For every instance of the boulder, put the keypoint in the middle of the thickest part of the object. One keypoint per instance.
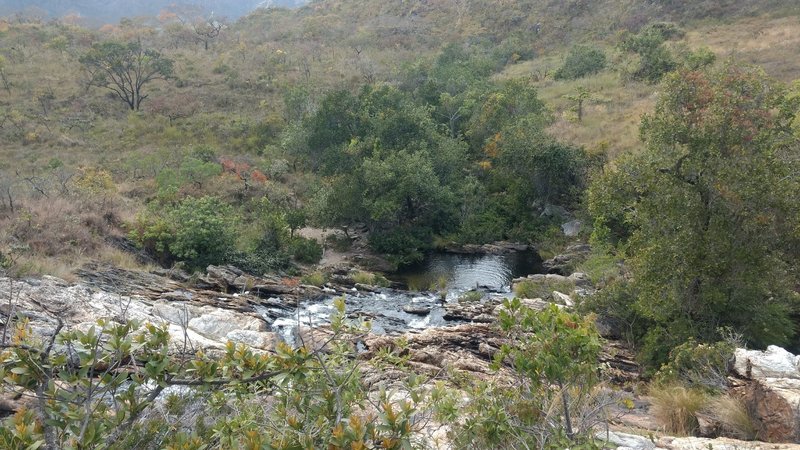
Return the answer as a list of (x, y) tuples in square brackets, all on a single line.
[(614, 439), (771, 390), (256, 339), (417, 310), (564, 263), (775, 362), (216, 323), (563, 299), (571, 228)]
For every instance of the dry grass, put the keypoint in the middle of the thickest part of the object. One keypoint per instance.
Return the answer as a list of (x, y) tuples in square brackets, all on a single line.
[(734, 418), (675, 408), (771, 43), (57, 234)]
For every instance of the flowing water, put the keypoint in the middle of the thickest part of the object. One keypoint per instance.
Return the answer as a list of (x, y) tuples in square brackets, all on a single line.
[(440, 278)]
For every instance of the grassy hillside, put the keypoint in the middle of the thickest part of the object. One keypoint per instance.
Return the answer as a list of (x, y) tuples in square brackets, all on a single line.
[(242, 97)]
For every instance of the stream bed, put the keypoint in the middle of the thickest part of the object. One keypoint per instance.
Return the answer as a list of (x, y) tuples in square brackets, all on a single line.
[(440, 279)]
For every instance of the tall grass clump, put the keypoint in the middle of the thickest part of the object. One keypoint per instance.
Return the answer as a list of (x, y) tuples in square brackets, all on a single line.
[(675, 407)]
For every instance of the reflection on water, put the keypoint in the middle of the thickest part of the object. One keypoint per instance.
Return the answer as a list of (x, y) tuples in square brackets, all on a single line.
[(457, 273)]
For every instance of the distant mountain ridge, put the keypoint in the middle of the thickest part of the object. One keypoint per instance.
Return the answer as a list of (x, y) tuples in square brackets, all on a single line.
[(113, 10)]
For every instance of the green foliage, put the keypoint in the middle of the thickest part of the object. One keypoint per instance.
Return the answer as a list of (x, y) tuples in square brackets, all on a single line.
[(554, 354), (124, 69), (471, 297), (698, 211), (200, 231), (703, 366), (581, 61), (90, 395), (307, 251), (541, 288), (655, 59), (316, 278), (371, 279), (205, 230)]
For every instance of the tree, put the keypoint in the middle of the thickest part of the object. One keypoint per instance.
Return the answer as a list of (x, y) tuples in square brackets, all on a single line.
[(580, 96), (581, 61), (208, 29), (710, 219), (125, 69)]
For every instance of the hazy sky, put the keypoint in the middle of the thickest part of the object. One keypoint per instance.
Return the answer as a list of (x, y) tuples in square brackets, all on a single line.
[(113, 10)]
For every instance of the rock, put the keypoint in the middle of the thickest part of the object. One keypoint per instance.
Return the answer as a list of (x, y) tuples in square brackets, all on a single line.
[(469, 311), (699, 443), (571, 228), (417, 310), (496, 248), (563, 299), (771, 390), (580, 279), (564, 263), (553, 211), (613, 439), (775, 362), (256, 339), (222, 277), (217, 323)]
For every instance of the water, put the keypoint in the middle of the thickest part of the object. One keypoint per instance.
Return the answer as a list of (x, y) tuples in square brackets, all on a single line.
[(457, 273), (442, 278)]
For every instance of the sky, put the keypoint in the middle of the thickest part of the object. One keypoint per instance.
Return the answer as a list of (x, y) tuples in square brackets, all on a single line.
[(113, 10)]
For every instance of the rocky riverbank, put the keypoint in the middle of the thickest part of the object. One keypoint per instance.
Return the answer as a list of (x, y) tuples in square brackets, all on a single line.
[(204, 313)]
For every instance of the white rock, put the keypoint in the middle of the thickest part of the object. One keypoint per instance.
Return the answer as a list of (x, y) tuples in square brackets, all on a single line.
[(175, 313), (565, 299), (216, 323), (775, 362), (618, 440), (571, 228), (256, 339)]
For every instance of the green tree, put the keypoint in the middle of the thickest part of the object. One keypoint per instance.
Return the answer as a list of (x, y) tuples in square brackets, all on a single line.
[(581, 61), (125, 69), (552, 404), (710, 206)]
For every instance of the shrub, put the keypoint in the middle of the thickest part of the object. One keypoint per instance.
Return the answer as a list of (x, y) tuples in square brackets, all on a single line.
[(703, 366), (541, 288), (306, 251), (369, 278), (204, 231), (471, 297), (316, 278), (581, 61), (675, 407), (554, 353), (258, 262), (199, 231)]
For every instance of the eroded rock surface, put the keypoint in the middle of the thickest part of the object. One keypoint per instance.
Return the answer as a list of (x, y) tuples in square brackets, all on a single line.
[(769, 382)]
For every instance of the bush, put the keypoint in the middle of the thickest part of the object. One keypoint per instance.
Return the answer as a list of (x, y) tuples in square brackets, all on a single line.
[(307, 251), (258, 262), (314, 278), (553, 405), (199, 231), (702, 366), (204, 231), (401, 246), (471, 297), (541, 289), (371, 279), (675, 407), (580, 62)]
